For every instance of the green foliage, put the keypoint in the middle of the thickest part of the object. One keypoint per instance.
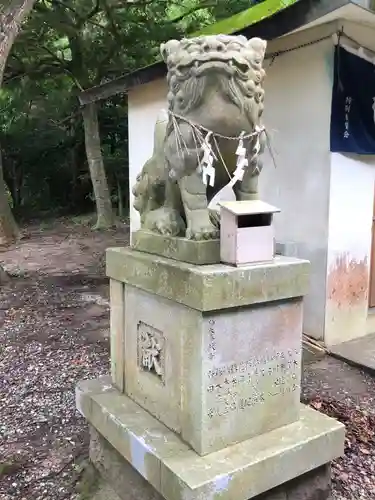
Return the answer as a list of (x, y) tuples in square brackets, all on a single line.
[(67, 46), (35, 147)]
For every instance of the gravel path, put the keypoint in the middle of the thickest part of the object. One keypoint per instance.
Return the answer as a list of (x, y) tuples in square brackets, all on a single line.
[(54, 330), (43, 438), (348, 394)]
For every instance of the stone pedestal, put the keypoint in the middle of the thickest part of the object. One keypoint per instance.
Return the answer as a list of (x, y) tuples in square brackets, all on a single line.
[(213, 352), (206, 367)]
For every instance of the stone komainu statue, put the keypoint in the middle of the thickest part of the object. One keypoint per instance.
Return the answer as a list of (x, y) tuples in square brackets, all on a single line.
[(215, 84)]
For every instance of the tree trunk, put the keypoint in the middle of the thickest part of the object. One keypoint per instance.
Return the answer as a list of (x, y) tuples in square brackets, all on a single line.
[(105, 216), (120, 205), (8, 228), (12, 14)]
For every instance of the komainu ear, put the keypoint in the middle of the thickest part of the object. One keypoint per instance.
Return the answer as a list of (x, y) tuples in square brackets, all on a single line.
[(258, 45), (167, 48)]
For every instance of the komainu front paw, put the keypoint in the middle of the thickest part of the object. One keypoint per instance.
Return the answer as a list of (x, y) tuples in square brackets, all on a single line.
[(165, 221), (203, 230)]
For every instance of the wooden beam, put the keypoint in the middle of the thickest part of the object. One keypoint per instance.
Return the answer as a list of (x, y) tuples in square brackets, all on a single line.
[(123, 84)]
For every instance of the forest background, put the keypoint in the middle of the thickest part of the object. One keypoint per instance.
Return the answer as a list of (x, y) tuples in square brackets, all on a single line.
[(53, 150)]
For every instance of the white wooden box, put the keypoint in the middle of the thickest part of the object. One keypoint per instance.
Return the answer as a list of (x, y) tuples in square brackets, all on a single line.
[(246, 232)]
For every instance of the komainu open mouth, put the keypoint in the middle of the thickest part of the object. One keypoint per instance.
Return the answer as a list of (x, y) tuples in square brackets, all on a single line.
[(199, 67)]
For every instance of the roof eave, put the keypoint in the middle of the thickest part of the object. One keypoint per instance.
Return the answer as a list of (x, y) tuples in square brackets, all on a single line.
[(275, 26)]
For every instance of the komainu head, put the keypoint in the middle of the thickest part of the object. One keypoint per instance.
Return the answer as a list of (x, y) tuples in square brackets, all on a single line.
[(234, 62), (233, 55)]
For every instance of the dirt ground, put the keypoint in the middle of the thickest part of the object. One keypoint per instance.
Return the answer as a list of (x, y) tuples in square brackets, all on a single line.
[(347, 394), (54, 331)]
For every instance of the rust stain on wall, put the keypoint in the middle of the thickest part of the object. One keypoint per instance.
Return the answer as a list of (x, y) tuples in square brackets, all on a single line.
[(348, 281)]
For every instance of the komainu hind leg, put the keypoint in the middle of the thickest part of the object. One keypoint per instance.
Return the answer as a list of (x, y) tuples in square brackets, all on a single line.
[(165, 221), (168, 219)]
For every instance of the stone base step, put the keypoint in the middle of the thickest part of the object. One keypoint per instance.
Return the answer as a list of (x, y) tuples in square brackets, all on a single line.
[(168, 468)]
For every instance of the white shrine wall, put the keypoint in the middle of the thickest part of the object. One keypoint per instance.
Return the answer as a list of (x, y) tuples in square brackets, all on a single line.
[(349, 247), (350, 227), (297, 116), (144, 105)]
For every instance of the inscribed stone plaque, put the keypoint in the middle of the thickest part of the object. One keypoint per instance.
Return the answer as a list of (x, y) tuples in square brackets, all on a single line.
[(151, 350), (252, 370), (251, 374)]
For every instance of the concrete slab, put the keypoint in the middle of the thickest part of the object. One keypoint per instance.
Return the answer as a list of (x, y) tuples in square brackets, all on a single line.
[(241, 471), (105, 492), (122, 480), (360, 352)]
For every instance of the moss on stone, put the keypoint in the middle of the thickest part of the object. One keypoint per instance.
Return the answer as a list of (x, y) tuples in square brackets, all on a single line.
[(246, 18), (211, 287), (181, 249)]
